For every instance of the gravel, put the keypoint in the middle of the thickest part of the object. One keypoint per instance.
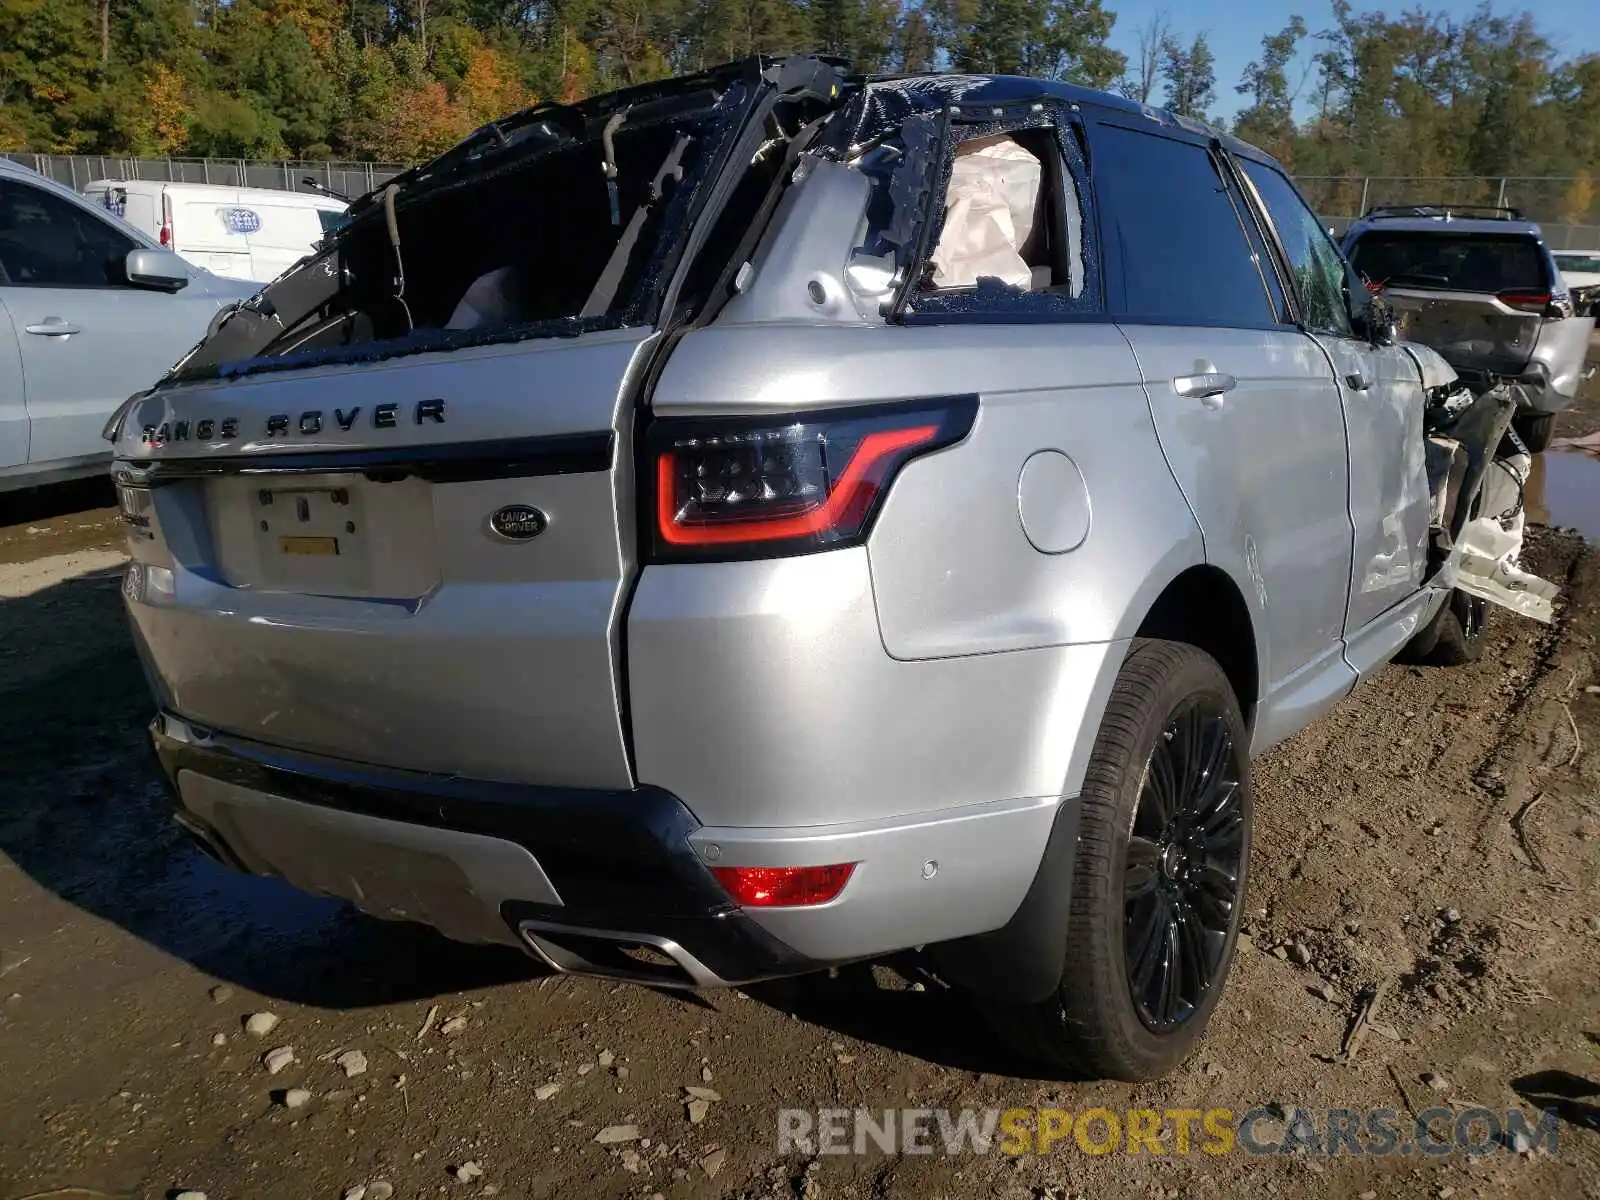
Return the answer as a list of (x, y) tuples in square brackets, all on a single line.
[(352, 1063), (260, 1024)]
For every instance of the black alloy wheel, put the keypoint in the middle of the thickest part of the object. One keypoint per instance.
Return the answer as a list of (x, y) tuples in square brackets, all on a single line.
[(1182, 881)]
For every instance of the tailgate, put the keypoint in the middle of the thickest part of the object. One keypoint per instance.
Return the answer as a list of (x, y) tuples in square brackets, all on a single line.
[(1473, 332), (417, 563)]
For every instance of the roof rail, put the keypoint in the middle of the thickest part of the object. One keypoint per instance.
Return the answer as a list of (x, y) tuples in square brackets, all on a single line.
[(1493, 212)]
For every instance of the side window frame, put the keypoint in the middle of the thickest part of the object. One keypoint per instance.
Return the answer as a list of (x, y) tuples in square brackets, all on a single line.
[(1279, 252), (83, 211), (1275, 314), (1067, 167)]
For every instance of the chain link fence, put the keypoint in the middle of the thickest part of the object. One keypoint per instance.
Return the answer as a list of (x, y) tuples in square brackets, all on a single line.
[(1550, 201), (350, 179)]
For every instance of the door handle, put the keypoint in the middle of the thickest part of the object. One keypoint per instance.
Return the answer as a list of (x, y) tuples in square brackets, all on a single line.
[(53, 327), (1208, 387), (1357, 382)]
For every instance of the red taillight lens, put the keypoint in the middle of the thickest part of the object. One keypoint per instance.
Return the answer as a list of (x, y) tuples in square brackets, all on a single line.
[(166, 235), (784, 887), (1525, 301), (729, 488)]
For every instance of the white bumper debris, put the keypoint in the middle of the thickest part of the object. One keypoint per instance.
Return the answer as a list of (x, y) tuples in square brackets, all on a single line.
[(1486, 568)]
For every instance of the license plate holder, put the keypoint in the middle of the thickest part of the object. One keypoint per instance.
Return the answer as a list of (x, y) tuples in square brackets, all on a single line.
[(309, 534)]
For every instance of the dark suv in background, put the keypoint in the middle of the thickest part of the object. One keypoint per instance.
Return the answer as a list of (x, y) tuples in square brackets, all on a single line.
[(1480, 286)]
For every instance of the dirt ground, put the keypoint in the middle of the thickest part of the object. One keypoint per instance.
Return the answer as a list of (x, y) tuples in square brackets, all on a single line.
[(1436, 834)]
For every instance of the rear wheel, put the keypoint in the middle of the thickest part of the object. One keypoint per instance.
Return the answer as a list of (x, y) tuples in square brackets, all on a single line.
[(1535, 430), (1158, 882)]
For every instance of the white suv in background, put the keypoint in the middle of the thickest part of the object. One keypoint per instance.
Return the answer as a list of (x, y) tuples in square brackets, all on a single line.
[(90, 312)]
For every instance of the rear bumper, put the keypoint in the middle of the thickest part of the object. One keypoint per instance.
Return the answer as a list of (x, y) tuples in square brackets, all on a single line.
[(598, 882), (475, 860)]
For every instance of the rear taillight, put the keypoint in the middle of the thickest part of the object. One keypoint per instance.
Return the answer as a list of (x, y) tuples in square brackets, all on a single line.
[(784, 887), (166, 220), (759, 486), (1525, 301)]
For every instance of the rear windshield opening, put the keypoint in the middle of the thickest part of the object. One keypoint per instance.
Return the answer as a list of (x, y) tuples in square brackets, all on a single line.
[(1452, 261), (542, 243)]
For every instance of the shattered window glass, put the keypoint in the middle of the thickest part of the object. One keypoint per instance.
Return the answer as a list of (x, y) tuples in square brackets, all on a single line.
[(566, 220), (1008, 239)]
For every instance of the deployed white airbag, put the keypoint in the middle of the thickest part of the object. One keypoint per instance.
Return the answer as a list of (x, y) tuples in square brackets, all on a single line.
[(994, 187)]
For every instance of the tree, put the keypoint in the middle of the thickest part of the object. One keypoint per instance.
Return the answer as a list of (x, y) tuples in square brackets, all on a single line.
[(915, 46), (1052, 39), (1269, 119), (1483, 93), (1140, 83), (862, 31), (49, 63), (1190, 76)]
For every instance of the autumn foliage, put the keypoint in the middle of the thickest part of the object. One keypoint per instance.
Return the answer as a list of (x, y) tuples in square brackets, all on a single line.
[(1336, 92)]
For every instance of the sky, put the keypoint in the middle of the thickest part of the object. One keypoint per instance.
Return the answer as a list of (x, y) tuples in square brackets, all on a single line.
[(1235, 29)]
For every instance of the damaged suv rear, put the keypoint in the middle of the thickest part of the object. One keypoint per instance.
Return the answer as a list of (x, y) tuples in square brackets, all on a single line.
[(772, 518), (1480, 286)]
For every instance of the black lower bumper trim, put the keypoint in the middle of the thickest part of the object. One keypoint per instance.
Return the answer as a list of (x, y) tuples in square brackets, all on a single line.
[(620, 860)]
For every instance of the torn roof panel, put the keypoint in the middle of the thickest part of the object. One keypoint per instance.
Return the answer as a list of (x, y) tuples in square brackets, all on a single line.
[(886, 101)]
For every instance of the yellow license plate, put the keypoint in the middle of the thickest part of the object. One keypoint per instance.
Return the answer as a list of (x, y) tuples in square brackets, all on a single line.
[(309, 545)]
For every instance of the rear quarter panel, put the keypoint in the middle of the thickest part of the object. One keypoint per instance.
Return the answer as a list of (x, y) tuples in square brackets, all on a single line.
[(1007, 634)]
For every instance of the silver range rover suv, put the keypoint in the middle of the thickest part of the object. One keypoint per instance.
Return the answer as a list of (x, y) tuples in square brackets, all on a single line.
[(770, 518)]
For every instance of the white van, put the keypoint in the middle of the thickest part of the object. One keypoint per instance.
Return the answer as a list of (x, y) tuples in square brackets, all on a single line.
[(242, 233)]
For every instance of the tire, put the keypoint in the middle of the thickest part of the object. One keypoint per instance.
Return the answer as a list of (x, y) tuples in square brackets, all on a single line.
[(1453, 638), (1461, 625), (1536, 431), (1135, 875)]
